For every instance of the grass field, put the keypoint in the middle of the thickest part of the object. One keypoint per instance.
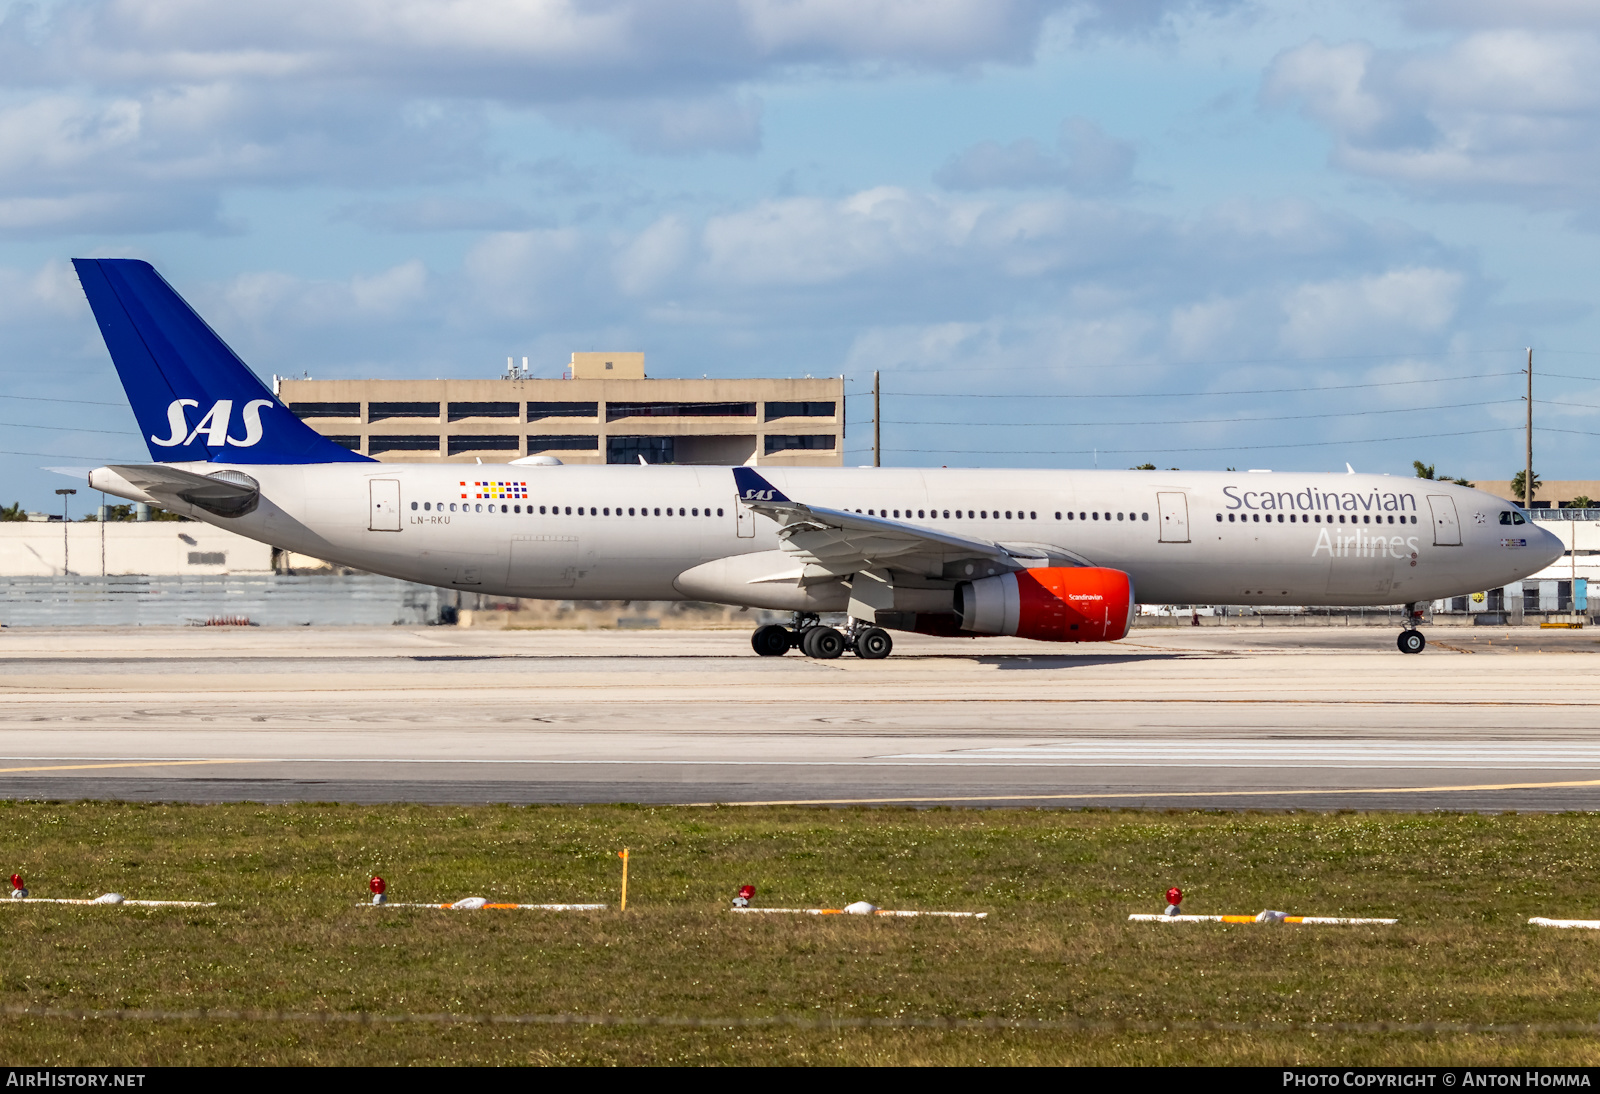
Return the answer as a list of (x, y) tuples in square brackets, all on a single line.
[(292, 934)]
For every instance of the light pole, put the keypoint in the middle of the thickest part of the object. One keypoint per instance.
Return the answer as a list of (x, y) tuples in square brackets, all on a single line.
[(66, 569)]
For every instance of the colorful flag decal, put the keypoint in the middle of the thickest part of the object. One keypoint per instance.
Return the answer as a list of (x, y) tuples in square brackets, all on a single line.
[(496, 491)]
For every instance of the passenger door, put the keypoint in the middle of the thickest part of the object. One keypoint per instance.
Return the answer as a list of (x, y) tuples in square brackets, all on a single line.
[(1446, 528), (385, 514), (746, 520), (1174, 507)]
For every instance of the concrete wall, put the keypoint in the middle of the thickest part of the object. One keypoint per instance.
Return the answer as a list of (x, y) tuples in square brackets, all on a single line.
[(31, 549), (233, 600)]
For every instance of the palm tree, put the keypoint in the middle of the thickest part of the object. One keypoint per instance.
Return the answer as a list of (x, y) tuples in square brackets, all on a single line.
[(1517, 490), (12, 512)]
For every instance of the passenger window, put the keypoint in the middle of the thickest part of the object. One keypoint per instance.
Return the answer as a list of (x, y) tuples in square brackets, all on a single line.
[(516, 508), (480, 508), (426, 506), (1119, 516), (452, 507), (1083, 516), (1280, 518), (947, 514), (681, 512), (1097, 516), (1366, 520), (413, 506), (695, 512), (1230, 518), (1256, 517), (919, 513), (719, 512), (1144, 516), (1219, 518), (1058, 516), (1008, 514), (503, 508)]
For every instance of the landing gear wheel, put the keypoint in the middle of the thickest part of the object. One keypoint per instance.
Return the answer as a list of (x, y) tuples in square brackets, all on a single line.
[(770, 640), (824, 643), (1411, 642), (873, 644)]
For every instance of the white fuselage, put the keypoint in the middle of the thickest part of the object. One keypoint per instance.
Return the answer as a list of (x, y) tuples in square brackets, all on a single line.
[(604, 532)]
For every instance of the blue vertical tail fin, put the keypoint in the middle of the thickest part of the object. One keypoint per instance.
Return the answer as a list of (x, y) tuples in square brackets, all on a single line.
[(194, 398)]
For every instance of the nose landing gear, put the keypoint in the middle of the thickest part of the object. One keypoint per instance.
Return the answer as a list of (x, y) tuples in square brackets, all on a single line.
[(1411, 640)]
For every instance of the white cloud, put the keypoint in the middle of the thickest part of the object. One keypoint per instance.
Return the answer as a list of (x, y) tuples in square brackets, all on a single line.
[(1089, 162), (1330, 316), (1507, 113)]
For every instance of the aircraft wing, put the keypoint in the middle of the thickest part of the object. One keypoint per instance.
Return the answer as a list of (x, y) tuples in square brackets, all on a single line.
[(836, 542)]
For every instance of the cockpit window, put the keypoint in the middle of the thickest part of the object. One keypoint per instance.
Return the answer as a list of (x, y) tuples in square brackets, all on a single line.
[(1513, 518)]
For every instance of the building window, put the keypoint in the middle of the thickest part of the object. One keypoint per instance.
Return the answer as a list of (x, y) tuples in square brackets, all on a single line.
[(799, 410), (563, 410), (816, 442), (679, 410), (377, 412), (566, 442), (402, 443), (470, 443), (629, 449), (458, 411), (325, 410), (346, 441), (208, 558)]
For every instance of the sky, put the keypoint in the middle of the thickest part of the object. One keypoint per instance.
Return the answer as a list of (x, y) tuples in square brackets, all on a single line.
[(1195, 233)]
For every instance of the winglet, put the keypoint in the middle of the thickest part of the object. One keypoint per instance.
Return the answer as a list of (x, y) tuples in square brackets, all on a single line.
[(752, 487)]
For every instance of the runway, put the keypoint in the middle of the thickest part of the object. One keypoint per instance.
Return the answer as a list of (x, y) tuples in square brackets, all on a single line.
[(1187, 718)]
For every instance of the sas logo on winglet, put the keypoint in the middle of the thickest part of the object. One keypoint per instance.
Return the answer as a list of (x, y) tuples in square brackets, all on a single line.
[(214, 425)]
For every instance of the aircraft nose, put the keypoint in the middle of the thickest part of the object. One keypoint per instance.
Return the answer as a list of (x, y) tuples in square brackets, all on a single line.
[(1552, 546)]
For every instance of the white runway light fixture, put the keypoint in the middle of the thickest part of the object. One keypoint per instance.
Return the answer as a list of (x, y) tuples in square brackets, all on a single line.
[(477, 903), (380, 889), (860, 907), (747, 893), (1265, 917), (1173, 915)]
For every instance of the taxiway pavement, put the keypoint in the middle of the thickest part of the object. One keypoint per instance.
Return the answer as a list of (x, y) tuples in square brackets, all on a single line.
[(1293, 717)]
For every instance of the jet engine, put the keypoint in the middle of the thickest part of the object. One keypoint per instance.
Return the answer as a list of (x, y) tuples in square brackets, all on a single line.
[(1051, 604)]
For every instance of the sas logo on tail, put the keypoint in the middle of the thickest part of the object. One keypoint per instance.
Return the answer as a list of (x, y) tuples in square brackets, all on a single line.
[(214, 426), (757, 495)]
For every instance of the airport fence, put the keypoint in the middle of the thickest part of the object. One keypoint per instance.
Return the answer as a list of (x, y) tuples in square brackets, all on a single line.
[(235, 599)]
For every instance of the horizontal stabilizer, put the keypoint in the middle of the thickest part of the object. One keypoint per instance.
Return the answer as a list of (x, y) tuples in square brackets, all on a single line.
[(225, 493)]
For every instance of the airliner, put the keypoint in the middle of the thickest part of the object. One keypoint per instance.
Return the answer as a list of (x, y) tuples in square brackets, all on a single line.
[(1055, 556)]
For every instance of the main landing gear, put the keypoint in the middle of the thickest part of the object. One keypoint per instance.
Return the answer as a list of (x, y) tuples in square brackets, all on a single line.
[(1411, 639), (811, 638)]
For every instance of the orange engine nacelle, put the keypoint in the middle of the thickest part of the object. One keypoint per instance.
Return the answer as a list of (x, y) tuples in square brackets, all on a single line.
[(1053, 604)]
